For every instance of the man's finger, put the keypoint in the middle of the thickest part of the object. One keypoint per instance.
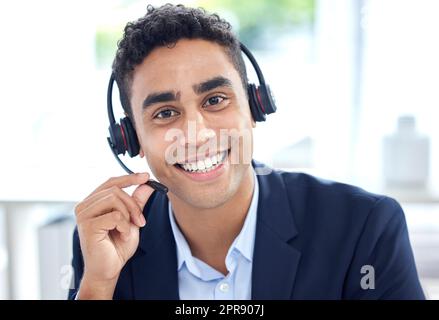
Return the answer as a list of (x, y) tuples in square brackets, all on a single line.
[(106, 204), (124, 181), (111, 221), (142, 194), (130, 203)]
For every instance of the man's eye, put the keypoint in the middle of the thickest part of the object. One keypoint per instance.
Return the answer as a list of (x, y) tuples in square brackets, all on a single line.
[(165, 114), (213, 101)]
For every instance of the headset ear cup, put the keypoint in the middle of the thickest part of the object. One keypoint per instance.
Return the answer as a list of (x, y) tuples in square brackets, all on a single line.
[(117, 139), (255, 107), (267, 99), (130, 137)]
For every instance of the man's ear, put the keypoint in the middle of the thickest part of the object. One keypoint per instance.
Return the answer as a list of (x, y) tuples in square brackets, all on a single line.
[(253, 123)]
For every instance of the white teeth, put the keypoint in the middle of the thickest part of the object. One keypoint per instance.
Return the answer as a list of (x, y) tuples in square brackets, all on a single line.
[(222, 156), (205, 165), (200, 165)]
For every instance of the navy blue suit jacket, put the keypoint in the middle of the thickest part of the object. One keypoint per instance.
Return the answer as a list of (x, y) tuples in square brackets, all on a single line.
[(312, 239)]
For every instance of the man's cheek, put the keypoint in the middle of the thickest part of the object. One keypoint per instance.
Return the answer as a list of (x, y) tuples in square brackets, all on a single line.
[(155, 156), (157, 167)]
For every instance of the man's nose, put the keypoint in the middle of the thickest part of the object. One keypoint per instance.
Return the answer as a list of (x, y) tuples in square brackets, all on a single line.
[(196, 131)]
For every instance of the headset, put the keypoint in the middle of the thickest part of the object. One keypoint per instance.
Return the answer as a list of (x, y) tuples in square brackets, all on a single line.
[(123, 136)]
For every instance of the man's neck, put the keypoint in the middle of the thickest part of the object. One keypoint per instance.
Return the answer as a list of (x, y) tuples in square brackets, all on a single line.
[(210, 232)]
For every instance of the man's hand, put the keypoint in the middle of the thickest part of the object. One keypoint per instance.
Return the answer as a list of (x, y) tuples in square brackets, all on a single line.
[(108, 226)]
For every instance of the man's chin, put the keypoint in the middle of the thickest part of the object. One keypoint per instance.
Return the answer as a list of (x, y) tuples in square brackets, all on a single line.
[(206, 194), (201, 198)]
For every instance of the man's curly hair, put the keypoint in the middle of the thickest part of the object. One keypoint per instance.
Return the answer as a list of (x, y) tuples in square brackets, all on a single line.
[(164, 26)]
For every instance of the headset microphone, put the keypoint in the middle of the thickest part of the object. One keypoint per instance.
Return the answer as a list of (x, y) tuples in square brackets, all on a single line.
[(123, 136)]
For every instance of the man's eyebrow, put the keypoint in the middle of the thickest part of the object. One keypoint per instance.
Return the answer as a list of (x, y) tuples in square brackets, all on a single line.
[(211, 84), (157, 97)]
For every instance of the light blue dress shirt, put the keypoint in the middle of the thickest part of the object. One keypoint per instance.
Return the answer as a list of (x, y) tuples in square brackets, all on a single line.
[(197, 280)]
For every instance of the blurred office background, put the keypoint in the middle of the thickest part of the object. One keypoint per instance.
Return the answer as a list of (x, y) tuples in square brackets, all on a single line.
[(356, 84)]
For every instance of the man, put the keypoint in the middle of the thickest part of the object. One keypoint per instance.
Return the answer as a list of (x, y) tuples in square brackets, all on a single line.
[(222, 231)]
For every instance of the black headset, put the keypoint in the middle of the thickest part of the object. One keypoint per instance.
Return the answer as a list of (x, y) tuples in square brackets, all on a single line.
[(123, 136)]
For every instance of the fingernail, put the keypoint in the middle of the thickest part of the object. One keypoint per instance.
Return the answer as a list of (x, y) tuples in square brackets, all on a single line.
[(142, 220), (142, 174)]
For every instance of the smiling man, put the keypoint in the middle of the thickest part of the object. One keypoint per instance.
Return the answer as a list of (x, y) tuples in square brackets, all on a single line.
[(223, 231)]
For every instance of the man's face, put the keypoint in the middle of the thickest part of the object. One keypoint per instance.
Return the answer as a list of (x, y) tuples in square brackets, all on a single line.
[(189, 106)]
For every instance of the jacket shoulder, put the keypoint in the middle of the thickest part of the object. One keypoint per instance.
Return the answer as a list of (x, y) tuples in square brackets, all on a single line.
[(313, 196), (298, 183), (314, 184)]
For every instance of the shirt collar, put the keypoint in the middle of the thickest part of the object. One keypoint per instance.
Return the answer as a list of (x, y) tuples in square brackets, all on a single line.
[(245, 240), (243, 243)]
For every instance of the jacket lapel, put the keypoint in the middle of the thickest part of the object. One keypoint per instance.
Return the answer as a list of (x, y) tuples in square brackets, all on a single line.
[(275, 262), (154, 268)]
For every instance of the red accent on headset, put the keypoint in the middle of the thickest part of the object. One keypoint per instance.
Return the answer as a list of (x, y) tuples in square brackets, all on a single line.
[(260, 100), (123, 137)]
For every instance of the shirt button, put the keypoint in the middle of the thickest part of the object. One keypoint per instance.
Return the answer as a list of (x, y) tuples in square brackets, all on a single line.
[(224, 287)]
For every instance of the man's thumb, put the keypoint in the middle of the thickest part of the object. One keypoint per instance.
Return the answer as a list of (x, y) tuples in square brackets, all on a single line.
[(142, 194)]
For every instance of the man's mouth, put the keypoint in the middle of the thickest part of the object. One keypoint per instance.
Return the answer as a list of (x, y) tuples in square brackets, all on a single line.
[(205, 165)]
